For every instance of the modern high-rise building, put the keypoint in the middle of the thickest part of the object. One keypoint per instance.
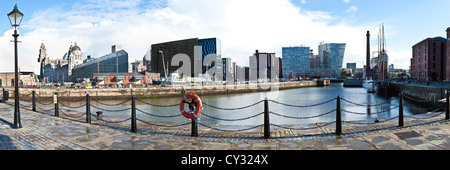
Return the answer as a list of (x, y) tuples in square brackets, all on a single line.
[(209, 48), (228, 71), (296, 61), (263, 67), (332, 55)]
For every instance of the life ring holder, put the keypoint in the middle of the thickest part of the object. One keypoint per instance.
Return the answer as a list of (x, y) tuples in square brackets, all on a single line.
[(195, 106)]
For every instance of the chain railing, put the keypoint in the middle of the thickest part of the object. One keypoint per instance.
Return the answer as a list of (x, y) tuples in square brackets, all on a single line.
[(71, 111)]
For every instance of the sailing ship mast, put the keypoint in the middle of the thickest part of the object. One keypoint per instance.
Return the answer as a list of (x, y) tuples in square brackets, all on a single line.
[(382, 53)]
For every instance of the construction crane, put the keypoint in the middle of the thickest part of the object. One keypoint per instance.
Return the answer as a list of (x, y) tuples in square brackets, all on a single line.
[(164, 65)]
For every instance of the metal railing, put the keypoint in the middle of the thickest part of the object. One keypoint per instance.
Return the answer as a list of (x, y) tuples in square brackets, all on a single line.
[(41, 104)]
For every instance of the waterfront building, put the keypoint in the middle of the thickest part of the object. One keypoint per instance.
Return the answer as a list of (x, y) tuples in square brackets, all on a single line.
[(211, 47), (263, 67), (228, 71), (151, 78), (137, 66), (116, 62), (208, 59), (234, 71), (240, 74), (447, 55), (352, 66), (27, 78), (59, 70), (428, 60), (122, 78), (332, 55), (317, 69), (296, 61)]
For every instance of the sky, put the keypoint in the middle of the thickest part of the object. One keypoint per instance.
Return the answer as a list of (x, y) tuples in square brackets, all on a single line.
[(242, 26)]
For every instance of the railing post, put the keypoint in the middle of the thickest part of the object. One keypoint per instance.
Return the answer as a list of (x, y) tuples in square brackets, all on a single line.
[(194, 128), (447, 110), (133, 115), (33, 101), (338, 116), (55, 100), (266, 119), (3, 97), (88, 109), (400, 110)]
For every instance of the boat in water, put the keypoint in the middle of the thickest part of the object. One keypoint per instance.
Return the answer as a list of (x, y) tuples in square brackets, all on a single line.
[(368, 84)]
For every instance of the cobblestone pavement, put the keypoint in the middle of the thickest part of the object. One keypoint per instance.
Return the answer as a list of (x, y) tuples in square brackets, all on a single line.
[(43, 131)]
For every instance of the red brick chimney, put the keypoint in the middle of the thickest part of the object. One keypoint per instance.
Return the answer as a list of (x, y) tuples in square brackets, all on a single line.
[(368, 71), (448, 34)]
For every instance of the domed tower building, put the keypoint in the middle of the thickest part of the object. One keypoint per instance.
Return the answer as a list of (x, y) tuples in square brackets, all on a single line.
[(75, 57)]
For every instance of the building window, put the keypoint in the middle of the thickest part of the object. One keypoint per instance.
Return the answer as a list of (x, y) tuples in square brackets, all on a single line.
[(12, 82)]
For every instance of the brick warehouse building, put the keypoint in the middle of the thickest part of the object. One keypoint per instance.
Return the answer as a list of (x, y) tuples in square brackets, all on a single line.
[(430, 60)]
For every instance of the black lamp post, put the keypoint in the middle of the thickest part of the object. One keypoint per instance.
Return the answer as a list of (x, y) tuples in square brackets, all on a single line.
[(15, 17)]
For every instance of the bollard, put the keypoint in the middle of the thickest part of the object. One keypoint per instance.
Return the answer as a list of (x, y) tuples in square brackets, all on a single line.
[(400, 110), (266, 119), (55, 100), (338, 116), (194, 128), (447, 111), (88, 109), (33, 101), (133, 115)]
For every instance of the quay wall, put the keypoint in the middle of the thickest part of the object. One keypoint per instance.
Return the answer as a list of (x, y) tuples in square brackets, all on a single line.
[(432, 94), (167, 91)]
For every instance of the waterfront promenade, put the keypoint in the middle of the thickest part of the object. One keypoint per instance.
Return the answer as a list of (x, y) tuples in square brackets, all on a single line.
[(166, 91), (43, 131)]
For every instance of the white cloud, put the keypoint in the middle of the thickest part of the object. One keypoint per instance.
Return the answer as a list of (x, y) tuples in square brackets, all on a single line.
[(352, 9), (346, 1), (243, 26)]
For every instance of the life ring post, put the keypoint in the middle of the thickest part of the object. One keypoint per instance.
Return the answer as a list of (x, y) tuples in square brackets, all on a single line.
[(195, 106), (194, 128)]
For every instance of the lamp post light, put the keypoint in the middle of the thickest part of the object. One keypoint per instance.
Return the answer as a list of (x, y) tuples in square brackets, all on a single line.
[(15, 17)]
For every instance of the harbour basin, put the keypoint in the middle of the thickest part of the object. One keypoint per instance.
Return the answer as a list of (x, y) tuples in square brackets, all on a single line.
[(295, 106)]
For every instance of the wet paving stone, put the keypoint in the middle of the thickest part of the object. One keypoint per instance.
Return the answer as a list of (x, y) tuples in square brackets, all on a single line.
[(44, 131), (390, 147), (361, 145), (290, 145), (414, 142), (407, 135), (380, 139), (164, 147)]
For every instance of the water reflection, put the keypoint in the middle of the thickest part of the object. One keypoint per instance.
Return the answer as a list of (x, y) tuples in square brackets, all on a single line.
[(302, 96)]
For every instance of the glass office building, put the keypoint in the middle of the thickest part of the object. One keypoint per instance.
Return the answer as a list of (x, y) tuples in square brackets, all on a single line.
[(296, 60), (333, 57), (211, 46), (116, 62)]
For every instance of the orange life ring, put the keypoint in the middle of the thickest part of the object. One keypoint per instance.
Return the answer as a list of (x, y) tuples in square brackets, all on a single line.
[(195, 106)]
